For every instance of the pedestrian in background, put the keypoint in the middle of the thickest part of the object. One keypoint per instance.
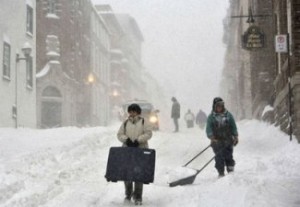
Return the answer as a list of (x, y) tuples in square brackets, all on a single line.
[(175, 113), (201, 119), (189, 117)]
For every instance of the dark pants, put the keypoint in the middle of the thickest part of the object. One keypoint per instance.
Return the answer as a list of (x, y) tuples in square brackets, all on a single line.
[(190, 124), (202, 125), (176, 124), (223, 157), (138, 190)]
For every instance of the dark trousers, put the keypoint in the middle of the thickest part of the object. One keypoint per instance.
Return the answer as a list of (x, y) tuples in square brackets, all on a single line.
[(202, 125), (190, 124), (138, 189), (176, 124), (224, 156)]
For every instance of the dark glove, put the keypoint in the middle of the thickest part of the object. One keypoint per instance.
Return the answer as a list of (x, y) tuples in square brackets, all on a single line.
[(136, 143), (213, 141), (235, 140), (128, 142)]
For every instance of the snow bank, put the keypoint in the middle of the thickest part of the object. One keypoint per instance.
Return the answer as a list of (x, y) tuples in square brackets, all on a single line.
[(66, 167)]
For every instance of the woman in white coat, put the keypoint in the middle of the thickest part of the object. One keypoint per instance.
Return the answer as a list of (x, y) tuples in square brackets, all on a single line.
[(134, 132)]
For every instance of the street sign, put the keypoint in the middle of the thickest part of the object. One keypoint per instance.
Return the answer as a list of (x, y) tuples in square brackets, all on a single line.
[(281, 43), (253, 38)]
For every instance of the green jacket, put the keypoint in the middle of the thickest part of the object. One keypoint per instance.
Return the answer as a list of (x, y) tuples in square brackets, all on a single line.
[(221, 126)]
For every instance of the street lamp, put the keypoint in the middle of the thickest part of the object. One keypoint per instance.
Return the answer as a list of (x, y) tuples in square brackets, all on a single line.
[(26, 50), (91, 78), (115, 93), (91, 81)]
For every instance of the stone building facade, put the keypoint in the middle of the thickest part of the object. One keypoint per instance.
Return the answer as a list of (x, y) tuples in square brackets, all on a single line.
[(236, 77), (63, 63), (132, 56), (101, 69), (119, 84), (74, 54), (84, 61), (286, 14), (126, 50), (273, 77), (18, 83)]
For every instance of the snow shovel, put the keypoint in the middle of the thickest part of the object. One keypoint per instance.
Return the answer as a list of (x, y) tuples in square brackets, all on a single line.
[(190, 179), (197, 155)]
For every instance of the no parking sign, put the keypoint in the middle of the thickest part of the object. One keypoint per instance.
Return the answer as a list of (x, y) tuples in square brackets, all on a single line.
[(281, 43)]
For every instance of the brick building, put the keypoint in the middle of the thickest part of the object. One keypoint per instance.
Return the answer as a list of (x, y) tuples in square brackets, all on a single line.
[(63, 62), (268, 72)]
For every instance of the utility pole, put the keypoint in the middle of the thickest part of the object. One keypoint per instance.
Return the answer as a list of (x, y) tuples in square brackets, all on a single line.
[(289, 88), (283, 46)]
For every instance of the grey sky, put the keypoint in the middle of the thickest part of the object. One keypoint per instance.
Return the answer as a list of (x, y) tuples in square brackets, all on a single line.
[(183, 46)]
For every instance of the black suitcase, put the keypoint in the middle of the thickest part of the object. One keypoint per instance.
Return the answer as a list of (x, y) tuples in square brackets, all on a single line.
[(130, 164)]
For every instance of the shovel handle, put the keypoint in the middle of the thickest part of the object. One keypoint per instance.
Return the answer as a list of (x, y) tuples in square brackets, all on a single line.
[(197, 155), (198, 171)]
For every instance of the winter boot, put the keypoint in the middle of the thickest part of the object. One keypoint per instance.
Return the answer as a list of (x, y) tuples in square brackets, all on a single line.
[(127, 198), (230, 169), (138, 202), (221, 174)]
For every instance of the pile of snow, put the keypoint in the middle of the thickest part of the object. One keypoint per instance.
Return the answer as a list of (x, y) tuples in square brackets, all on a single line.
[(66, 167)]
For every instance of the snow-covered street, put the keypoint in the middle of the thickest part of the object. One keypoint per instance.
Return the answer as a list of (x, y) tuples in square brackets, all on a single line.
[(66, 167)]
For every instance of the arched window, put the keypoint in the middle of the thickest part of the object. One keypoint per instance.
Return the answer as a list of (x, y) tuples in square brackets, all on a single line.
[(51, 91)]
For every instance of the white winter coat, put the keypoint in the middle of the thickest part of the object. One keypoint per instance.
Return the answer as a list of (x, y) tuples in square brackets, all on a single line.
[(189, 117), (135, 130)]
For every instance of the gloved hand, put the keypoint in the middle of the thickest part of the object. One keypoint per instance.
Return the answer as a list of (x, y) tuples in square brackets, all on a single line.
[(136, 143), (213, 140), (128, 142), (235, 140)]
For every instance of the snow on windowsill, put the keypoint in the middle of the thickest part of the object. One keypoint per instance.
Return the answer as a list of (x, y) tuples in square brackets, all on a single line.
[(52, 16), (56, 62), (266, 109), (52, 36), (43, 72), (29, 3), (125, 60), (6, 39), (116, 51), (53, 53)]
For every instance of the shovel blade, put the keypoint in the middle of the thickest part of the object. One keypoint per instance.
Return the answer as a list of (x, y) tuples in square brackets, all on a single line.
[(184, 181)]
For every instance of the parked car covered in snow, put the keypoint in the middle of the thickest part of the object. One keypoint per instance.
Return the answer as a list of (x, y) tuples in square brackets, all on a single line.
[(148, 112)]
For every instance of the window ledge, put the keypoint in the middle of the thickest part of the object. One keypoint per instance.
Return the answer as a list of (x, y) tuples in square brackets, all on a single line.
[(52, 16), (6, 78), (29, 87), (29, 34)]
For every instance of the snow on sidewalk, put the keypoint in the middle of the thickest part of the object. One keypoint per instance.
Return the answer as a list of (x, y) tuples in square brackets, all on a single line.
[(66, 167)]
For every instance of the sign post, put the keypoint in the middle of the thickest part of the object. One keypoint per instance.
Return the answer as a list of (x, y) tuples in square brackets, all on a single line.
[(282, 45)]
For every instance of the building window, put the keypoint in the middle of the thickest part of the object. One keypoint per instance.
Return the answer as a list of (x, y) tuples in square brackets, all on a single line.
[(52, 6), (29, 21), (14, 111), (6, 60), (29, 72)]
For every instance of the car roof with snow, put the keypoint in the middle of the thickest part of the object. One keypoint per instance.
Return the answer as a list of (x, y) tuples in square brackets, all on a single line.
[(145, 105)]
